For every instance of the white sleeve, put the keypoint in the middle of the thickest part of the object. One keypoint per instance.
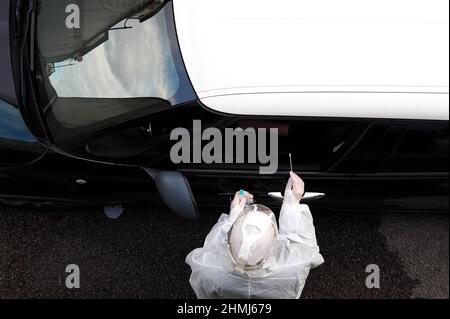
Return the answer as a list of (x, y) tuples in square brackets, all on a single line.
[(296, 224), (219, 233)]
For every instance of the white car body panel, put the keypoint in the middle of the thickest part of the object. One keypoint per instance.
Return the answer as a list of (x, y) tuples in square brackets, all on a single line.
[(321, 58)]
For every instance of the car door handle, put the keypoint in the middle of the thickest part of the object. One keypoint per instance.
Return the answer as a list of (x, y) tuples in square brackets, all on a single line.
[(306, 196)]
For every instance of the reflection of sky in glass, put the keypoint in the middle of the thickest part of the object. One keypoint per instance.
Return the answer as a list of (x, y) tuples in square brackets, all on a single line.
[(12, 126), (132, 63)]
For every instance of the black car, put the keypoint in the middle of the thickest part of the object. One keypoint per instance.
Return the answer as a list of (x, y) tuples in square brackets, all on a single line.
[(77, 125)]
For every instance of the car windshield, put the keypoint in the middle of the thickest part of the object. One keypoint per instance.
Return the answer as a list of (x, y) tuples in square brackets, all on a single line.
[(109, 58)]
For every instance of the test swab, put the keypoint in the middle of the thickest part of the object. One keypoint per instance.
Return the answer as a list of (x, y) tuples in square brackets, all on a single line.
[(290, 161)]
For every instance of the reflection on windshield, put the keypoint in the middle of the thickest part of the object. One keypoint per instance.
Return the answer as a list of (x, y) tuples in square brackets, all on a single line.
[(132, 62), (123, 63), (12, 126)]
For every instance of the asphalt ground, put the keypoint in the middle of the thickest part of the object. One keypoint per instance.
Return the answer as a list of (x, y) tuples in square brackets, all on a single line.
[(141, 254)]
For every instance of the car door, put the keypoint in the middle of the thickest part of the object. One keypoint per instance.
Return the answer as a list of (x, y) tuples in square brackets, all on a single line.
[(406, 169), (360, 165), (321, 152)]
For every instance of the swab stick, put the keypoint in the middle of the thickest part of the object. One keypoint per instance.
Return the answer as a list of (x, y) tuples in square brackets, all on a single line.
[(290, 161)]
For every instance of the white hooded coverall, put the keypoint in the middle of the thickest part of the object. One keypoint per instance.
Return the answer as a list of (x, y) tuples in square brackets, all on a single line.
[(283, 275)]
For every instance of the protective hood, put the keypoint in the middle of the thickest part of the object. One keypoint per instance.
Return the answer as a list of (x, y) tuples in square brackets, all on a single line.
[(252, 237)]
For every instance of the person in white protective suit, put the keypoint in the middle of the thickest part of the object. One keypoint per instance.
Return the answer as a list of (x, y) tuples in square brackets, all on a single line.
[(246, 256)]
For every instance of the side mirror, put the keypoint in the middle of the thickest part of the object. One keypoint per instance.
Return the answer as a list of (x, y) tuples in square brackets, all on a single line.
[(174, 189)]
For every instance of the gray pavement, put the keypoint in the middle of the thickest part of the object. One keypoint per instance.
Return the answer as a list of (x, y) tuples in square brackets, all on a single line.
[(141, 255)]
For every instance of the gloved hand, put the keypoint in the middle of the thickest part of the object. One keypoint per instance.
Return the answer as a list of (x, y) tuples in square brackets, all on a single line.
[(295, 189), (238, 204), (239, 200)]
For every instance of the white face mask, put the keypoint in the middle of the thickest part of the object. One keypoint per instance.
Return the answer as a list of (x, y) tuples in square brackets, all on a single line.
[(252, 237)]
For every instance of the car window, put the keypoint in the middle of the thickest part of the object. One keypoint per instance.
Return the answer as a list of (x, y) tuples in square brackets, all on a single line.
[(132, 59), (123, 60)]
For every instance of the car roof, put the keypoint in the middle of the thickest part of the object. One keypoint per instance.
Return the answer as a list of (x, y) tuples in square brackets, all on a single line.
[(348, 58)]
